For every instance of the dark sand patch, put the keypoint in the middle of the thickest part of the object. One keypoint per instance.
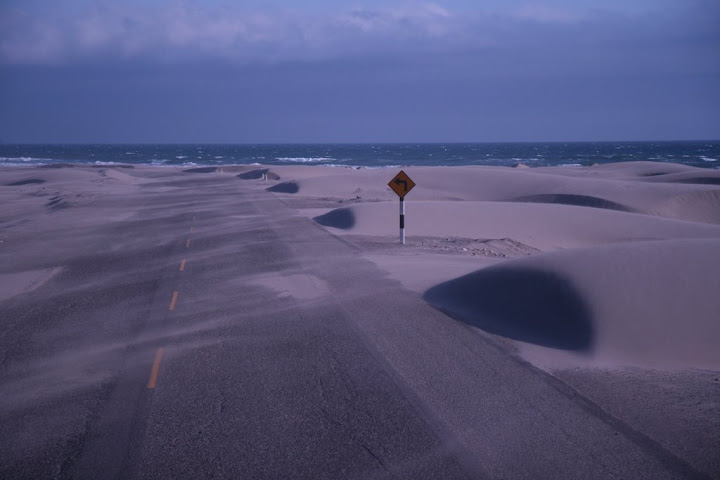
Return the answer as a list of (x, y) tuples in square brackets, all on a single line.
[(343, 218), (258, 174), (57, 202), (253, 174), (575, 200), (526, 304), (285, 187), (113, 166), (57, 165), (201, 170), (28, 181), (655, 174), (699, 180)]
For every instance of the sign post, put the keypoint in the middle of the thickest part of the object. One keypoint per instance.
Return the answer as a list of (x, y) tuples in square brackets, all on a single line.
[(401, 185)]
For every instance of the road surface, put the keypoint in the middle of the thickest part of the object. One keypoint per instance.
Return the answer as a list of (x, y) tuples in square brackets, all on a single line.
[(212, 332)]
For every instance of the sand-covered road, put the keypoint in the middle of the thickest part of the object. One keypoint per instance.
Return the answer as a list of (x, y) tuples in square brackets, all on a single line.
[(166, 324)]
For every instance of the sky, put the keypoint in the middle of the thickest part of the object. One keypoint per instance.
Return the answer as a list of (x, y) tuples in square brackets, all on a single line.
[(335, 71)]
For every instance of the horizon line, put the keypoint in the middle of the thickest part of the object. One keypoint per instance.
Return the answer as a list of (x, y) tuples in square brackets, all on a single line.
[(5, 143)]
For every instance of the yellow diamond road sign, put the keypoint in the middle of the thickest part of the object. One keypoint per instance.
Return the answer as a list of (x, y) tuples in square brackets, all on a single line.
[(401, 184)]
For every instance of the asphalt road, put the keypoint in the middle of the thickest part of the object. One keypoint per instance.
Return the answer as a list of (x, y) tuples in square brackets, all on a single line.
[(217, 334)]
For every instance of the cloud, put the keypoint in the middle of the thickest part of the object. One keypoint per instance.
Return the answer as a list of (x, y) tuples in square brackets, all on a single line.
[(547, 14), (182, 30), (179, 31)]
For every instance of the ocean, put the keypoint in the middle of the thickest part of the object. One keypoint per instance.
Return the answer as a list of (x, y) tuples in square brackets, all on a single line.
[(704, 154)]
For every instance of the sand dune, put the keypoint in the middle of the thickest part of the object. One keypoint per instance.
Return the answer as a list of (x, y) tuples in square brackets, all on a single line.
[(542, 226), (619, 262), (623, 257), (647, 304), (578, 271), (624, 187)]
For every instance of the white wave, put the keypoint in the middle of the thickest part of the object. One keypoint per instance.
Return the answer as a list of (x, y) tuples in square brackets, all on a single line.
[(100, 162), (571, 164), (708, 159), (180, 157), (15, 164), (375, 167), (23, 159), (304, 159), (218, 157)]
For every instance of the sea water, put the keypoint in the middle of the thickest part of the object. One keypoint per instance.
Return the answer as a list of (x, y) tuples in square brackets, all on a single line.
[(698, 154)]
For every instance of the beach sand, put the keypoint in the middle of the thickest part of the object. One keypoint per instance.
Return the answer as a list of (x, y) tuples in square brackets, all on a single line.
[(604, 278)]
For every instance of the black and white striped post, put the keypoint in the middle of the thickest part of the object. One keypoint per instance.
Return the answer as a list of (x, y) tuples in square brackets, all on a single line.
[(401, 185), (402, 220)]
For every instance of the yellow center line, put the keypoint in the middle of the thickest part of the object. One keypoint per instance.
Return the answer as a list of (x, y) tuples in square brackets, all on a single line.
[(155, 369), (182, 264), (174, 299), (187, 244)]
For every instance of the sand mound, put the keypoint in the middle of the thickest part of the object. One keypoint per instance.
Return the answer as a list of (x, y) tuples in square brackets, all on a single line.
[(258, 174), (285, 187), (577, 200), (28, 181), (694, 176), (698, 206), (539, 225), (646, 304), (527, 304), (620, 187), (343, 218), (57, 165), (253, 174), (701, 180)]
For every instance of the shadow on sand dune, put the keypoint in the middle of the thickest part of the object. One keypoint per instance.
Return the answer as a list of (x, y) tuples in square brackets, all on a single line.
[(576, 200), (258, 174), (699, 180), (285, 187), (526, 304), (339, 218), (29, 181)]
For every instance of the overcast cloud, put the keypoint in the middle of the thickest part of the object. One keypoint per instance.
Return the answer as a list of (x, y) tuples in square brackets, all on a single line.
[(385, 71)]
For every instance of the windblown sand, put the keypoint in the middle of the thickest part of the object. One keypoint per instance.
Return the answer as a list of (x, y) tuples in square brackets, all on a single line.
[(606, 276), (636, 245)]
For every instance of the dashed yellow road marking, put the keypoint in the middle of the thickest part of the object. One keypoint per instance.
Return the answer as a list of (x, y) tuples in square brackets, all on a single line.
[(187, 243), (173, 300), (155, 368), (182, 264)]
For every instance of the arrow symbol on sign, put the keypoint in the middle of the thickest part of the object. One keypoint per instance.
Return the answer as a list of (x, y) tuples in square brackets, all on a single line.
[(404, 182)]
